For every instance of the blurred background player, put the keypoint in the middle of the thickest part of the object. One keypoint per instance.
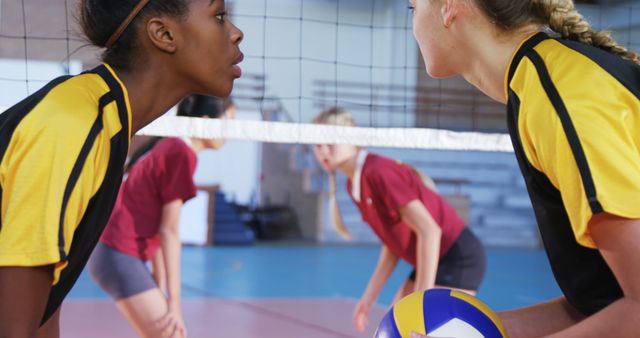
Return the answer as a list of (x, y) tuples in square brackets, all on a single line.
[(144, 226), (411, 219)]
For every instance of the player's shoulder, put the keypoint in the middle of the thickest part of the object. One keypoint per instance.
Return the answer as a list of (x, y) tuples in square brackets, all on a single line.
[(174, 144), (381, 167), (574, 64), (379, 161), (63, 110), (174, 148), (74, 100)]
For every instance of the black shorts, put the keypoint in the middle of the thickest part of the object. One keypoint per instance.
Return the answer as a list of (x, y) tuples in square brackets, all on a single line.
[(463, 266)]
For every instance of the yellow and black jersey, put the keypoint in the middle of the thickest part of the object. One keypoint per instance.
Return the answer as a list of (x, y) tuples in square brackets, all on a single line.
[(574, 119), (62, 151)]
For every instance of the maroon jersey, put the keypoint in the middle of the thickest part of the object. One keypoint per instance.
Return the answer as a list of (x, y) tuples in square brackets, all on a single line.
[(385, 186), (164, 175)]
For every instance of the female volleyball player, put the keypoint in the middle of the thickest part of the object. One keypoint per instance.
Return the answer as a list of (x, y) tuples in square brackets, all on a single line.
[(573, 98), (63, 148), (411, 219), (144, 225)]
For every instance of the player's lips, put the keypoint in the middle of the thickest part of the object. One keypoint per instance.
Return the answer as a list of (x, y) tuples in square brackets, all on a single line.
[(239, 59), (237, 71)]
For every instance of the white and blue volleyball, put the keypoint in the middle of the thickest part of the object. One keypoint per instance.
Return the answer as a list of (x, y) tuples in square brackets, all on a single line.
[(440, 313)]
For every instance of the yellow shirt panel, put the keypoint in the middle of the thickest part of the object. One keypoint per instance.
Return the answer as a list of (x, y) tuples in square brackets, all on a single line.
[(114, 125), (93, 172), (606, 120), (41, 155)]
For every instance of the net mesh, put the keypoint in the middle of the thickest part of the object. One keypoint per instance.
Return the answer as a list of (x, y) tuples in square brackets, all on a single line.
[(303, 57)]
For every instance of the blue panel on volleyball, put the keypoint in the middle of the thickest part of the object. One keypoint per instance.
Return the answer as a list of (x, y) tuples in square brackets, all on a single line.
[(436, 308), (387, 327), (440, 307), (480, 321)]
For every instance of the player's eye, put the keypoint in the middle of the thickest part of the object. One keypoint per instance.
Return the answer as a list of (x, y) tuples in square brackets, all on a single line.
[(220, 16)]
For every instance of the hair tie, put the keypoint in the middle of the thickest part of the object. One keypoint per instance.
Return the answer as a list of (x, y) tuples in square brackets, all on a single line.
[(123, 26)]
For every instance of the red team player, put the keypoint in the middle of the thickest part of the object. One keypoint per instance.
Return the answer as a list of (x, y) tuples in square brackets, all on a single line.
[(412, 220), (144, 226)]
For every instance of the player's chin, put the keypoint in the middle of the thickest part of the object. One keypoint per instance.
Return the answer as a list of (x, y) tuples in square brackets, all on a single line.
[(228, 85), (221, 88), (218, 143), (437, 70)]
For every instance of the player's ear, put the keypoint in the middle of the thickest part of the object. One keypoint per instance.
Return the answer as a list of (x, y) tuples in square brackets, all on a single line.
[(161, 33), (449, 10)]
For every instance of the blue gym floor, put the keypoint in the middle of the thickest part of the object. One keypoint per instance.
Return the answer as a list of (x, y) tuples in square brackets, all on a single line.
[(514, 278)]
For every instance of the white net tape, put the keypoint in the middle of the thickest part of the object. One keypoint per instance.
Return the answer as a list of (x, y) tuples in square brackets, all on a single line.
[(304, 133), (281, 132)]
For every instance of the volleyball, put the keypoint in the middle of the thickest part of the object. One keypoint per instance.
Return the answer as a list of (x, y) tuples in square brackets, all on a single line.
[(440, 313)]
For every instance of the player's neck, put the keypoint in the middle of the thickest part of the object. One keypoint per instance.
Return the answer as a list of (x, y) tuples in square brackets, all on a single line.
[(348, 167), (486, 71), (197, 145), (150, 95)]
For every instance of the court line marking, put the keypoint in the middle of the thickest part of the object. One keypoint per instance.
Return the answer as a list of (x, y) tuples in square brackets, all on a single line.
[(272, 313)]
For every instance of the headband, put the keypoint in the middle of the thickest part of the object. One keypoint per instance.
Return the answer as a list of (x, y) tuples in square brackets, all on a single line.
[(123, 26)]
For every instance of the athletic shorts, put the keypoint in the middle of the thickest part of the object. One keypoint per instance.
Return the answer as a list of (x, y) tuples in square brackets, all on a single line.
[(463, 266), (119, 274)]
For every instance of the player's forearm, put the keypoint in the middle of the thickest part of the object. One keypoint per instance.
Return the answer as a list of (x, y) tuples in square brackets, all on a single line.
[(620, 319), (549, 317), (159, 274), (428, 255), (171, 248), (386, 264)]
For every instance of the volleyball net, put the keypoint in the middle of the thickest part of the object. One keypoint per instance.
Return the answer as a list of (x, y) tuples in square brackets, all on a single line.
[(301, 57)]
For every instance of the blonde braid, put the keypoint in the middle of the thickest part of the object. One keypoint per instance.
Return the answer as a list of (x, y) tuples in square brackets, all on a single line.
[(426, 180), (334, 210), (338, 117), (563, 18)]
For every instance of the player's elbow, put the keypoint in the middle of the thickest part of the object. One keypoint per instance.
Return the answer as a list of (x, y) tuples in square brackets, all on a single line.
[(428, 230), (169, 230)]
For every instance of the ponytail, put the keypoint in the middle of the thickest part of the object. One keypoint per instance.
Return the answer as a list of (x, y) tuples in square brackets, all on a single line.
[(560, 16), (338, 117), (334, 210), (563, 18), (426, 180)]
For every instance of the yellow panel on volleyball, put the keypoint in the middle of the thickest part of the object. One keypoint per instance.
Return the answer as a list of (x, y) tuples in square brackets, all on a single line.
[(482, 307), (408, 314)]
